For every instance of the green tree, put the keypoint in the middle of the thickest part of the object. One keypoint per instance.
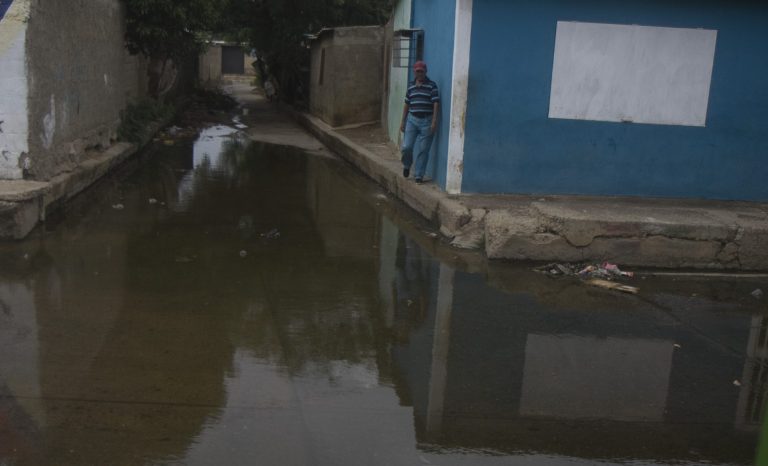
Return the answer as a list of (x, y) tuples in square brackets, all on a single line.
[(170, 30), (276, 28)]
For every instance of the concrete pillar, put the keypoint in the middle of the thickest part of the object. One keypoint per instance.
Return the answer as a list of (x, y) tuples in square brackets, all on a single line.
[(459, 87)]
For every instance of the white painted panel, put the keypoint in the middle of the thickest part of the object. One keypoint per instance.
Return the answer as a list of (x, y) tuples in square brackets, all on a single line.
[(640, 74), (13, 98), (574, 377)]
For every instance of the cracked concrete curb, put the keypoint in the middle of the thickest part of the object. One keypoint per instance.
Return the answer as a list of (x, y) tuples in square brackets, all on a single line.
[(632, 232), (24, 203), (28, 205)]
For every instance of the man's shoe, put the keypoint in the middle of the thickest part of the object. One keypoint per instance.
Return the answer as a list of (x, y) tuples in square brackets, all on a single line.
[(419, 181), (406, 172)]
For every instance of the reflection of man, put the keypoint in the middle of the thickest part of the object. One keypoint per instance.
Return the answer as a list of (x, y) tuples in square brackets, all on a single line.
[(412, 286), (419, 121)]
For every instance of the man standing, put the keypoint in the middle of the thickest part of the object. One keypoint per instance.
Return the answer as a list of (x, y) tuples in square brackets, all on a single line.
[(419, 121)]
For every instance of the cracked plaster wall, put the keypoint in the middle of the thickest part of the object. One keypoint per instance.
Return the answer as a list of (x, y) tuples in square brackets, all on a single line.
[(80, 77)]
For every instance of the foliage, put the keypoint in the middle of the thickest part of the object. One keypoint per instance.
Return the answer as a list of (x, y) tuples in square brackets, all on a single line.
[(163, 29), (174, 29), (276, 28), (136, 117)]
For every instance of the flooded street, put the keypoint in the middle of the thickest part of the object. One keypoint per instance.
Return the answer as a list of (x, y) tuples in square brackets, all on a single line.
[(239, 303)]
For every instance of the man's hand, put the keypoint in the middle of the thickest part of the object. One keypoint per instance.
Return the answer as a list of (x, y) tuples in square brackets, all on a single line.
[(402, 127), (433, 128)]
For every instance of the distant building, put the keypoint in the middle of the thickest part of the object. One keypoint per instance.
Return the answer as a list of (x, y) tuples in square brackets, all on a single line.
[(638, 98), (221, 58), (345, 78)]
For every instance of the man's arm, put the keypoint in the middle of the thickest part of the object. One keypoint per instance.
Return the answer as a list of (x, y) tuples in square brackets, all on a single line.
[(402, 120)]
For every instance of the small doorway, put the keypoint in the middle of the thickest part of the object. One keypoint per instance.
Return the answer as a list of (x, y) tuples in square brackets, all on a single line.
[(232, 60)]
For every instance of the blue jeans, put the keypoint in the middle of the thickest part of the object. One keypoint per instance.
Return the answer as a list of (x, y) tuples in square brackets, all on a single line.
[(417, 138)]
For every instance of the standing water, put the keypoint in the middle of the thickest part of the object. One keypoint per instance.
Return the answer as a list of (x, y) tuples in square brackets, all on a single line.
[(244, 303)]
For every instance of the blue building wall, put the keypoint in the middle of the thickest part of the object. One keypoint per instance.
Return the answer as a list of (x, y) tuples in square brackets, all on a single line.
[(437, 18), (512, 146)]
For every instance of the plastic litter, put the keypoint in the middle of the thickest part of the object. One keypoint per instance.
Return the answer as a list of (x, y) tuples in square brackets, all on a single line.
[(757, 294), (599, 275), (612, 285), (271, 234), (737, 383), (152, 200), (606, 270), (243, 254), (118, 206), (676, 345)]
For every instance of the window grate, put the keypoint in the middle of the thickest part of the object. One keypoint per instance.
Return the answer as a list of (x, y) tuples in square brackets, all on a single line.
[(407, 47)]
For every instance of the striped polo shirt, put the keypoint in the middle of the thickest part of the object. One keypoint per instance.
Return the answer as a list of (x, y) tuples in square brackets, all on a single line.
[(421, 97)]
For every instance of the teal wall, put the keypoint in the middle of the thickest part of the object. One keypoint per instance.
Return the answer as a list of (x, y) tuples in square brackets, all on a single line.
[(513, 147), (437, 18), (398, 77)]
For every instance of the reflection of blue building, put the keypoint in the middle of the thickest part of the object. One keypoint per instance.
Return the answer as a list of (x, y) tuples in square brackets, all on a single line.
[(631, 98), (591, 379)]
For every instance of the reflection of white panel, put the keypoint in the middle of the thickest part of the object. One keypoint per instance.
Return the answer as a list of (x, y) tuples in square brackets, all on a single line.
[(642, 74), (572, 377)]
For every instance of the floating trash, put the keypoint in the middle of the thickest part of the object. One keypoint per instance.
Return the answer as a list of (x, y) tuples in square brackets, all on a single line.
[(612, 285), (271, 234)]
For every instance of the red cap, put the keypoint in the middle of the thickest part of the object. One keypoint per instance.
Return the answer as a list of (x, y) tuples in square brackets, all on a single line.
[(420, 65)]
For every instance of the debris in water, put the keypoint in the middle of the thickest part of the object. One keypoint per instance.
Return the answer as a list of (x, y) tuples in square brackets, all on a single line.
[(677, 346), (168, 142), (183, 259), (737, 383), (757, 294), (271, 234), (152, 200), (243, 253), (612, 285), (606, 270), (409, 302), (118, 206)]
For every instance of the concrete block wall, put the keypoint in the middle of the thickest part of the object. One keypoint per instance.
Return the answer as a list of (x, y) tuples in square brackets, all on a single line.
[(209, 66), (346, 88), (66, 76), (80, 76)]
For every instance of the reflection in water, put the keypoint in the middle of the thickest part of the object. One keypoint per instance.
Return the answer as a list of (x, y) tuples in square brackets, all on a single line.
[(188, 332)]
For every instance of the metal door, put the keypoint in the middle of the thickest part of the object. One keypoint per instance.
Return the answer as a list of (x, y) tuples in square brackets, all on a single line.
[(232, 60)]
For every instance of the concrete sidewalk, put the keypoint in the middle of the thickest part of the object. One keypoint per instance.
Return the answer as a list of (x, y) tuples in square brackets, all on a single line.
[(667, 233)]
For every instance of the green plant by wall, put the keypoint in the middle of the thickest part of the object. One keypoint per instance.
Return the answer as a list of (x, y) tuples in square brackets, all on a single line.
[(135, 119)]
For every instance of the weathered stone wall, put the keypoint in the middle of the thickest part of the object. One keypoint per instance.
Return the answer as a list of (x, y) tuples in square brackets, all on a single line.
[(321, 90), (80, 77), (351, 75), (209, 68)]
